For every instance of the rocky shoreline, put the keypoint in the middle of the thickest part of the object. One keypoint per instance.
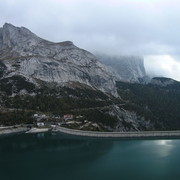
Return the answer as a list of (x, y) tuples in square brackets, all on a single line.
[(21, 129), (38, 130), (12, 129)]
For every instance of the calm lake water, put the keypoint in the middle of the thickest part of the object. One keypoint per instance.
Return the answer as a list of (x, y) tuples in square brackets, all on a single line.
[(62, 157)]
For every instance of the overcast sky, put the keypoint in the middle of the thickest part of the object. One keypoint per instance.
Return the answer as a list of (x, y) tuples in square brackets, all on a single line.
[(149, 28)]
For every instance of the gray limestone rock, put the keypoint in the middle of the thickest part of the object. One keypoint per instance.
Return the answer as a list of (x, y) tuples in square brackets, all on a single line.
[(27, 55)]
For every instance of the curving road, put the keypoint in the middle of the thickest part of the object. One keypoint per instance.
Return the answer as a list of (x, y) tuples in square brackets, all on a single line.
[(138, 134)]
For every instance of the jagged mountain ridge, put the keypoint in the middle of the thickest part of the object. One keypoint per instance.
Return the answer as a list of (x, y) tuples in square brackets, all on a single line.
[(127, 68), (25, 54)]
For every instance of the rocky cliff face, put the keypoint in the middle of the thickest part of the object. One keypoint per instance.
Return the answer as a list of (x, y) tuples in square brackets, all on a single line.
[(25, 54), (127, 68)]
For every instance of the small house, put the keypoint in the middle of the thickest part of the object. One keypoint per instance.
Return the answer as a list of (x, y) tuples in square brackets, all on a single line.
[(40, 124), (36, 115), (68, 116), (43, 116), (70, 122), (53, 125), (56, 116), (78, 117)]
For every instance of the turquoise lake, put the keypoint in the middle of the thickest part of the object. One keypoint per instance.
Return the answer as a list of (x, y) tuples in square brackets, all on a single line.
[(64, 157)]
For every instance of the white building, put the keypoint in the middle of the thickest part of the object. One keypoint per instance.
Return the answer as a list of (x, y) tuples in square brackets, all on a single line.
[(40, 124)]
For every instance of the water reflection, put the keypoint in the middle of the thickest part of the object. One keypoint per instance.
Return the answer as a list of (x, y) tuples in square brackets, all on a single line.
[(45, 153), (65, 147), (160, 148), (164, 147)]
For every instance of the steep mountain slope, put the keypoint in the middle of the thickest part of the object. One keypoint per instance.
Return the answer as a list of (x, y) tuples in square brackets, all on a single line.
[(158, 101), (22, 53), (127, 68)]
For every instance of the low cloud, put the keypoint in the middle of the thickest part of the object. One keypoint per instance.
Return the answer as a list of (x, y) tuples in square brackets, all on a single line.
[(162, 65), (148, 28)]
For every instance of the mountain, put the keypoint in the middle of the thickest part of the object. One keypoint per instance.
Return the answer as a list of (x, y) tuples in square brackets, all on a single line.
[(127, 68), (57, 79), (162, 81), (24, 54)]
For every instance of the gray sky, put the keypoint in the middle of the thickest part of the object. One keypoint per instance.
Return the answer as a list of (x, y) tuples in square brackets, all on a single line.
[(148, 28)]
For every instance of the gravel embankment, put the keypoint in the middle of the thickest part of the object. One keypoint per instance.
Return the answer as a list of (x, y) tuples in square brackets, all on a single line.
[(9, 130)]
